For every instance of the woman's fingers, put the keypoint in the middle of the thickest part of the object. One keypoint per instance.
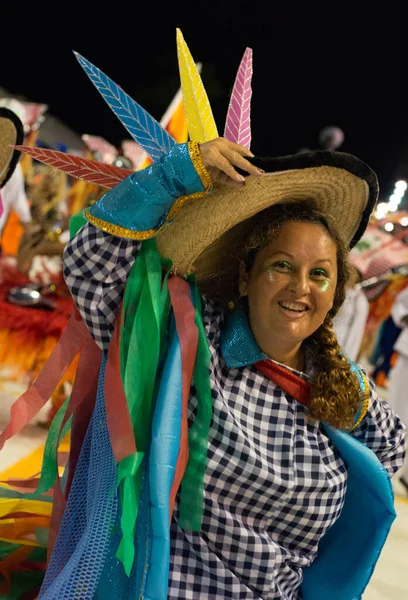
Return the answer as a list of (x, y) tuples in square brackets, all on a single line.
[(226, 166), (222, 155), (225, 179), (240, 161), (237, 147)]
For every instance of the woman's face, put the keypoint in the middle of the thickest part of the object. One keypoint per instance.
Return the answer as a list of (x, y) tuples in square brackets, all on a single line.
[(291, 285)]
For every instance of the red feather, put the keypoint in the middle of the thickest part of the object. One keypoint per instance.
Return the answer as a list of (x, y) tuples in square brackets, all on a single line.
[(92, 171)]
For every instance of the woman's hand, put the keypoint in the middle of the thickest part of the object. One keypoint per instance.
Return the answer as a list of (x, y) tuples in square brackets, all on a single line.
[(220, 156)]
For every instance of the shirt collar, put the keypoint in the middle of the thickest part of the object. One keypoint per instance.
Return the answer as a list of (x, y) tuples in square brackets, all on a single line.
[(239, 347), (237, 342)]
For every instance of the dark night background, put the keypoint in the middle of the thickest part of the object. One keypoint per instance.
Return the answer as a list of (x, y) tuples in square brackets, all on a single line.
[(312, 68)]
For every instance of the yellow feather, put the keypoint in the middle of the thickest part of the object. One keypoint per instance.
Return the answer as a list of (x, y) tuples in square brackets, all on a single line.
[(199, 117)]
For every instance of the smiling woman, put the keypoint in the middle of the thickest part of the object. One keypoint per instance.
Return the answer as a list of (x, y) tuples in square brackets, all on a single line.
[(275, 374), (285, 297), (293, 277), (209, 468)]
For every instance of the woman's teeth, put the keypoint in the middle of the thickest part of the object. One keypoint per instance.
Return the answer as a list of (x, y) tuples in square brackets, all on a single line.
[(293, 306)]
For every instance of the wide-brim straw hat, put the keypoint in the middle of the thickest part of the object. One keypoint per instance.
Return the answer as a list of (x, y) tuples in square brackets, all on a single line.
[(205, 236), (11, 133)]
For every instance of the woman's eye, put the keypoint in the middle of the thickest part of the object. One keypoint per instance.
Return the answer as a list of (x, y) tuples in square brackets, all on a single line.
[(282, 264), (319, 273)]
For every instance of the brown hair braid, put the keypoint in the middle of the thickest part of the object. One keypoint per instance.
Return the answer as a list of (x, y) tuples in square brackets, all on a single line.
[(335, 393)]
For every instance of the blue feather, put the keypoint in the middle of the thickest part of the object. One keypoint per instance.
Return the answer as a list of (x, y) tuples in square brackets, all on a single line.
[(144, 129)]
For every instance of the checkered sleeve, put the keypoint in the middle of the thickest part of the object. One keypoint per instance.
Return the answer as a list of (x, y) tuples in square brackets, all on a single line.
[(96, 266), (383, 431)]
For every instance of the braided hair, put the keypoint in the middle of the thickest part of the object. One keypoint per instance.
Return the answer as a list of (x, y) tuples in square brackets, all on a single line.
[(334, 396)]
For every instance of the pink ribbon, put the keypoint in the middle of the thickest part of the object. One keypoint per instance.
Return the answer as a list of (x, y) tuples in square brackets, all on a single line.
[(83, 395), (117, 409), (30, 403)]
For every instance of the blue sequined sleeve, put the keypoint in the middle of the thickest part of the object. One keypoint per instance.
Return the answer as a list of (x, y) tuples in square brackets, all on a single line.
[(143, 203)]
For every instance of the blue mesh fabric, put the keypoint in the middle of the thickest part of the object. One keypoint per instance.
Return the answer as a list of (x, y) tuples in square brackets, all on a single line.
[(114, 583), (87, 528)]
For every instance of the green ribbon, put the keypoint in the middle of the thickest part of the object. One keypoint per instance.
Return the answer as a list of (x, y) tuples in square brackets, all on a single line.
[(6, 548), (49, 468), (76, 222), (145, 313), (143, 350), (23, 581)]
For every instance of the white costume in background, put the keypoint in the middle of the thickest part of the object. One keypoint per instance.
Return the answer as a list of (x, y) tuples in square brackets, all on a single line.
[(398, 386), (15, 198), (349, 323)]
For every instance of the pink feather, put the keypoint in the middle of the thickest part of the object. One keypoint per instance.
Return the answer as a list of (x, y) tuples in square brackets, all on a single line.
[(133, 152), (238, 121), (81, 168)]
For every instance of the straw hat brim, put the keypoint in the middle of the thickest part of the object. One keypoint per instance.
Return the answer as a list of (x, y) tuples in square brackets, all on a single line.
[(11, 133), (204, 236)]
